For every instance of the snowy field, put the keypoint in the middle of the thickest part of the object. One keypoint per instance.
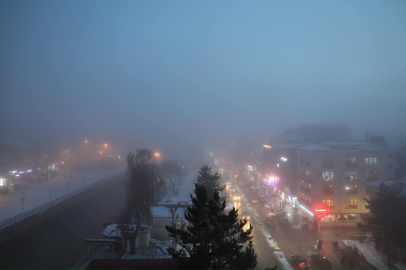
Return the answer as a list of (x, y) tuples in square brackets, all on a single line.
[(38, 194)]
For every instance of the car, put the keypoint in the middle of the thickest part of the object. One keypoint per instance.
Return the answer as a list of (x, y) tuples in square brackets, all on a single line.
[(263, 199), (321, 261), (3, 190), (236, 198), (270, 221), (277, 212), (254, 201), (261, 194), (299, 262), (284, 222), (241, 183)]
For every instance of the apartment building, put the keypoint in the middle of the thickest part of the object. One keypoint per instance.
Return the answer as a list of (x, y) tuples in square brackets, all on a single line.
[(335, 175)]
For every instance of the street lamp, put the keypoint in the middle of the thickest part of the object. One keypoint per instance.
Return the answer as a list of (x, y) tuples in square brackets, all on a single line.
[(157, 154), (86, 141), (105, 145)]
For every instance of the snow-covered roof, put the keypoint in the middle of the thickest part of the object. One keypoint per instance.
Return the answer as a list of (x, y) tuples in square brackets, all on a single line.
[(342, 146), (162, 211), (113, 231), (287, 145)]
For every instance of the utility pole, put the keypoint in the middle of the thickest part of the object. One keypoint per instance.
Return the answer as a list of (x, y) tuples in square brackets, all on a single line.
[(22, 201), (50, 192)]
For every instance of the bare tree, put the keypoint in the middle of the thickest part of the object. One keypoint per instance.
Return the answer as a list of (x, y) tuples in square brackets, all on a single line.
[(140, 183), (172, 171)]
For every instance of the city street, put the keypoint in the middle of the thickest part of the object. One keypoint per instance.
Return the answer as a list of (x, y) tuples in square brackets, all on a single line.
[(265, 256), (293, 240)]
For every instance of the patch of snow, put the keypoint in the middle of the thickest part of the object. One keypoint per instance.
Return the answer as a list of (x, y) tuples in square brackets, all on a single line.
[(367, 248)]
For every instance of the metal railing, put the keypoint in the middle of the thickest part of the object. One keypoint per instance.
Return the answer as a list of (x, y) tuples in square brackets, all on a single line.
[(21, 216)]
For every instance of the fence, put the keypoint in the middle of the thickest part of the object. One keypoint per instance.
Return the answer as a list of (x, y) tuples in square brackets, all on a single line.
[(37, 209)]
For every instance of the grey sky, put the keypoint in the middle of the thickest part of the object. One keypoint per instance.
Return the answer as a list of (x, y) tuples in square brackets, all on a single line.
[(182, 72)]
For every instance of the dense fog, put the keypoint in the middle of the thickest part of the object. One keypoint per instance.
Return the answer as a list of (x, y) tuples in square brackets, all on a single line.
[(176, 76)]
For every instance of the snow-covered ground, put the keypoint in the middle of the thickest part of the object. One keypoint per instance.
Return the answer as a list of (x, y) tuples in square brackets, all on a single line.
[(38, 194), (374, 257)]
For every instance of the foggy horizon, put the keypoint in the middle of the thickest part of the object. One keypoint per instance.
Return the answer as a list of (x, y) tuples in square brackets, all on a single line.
[(172, 75)]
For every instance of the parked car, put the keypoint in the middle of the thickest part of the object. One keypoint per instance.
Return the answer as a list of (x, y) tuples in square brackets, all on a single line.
[(277, 212), (270, 221), (3, 190), (299, 262), (321, 261), (241, 183), (254, 201)]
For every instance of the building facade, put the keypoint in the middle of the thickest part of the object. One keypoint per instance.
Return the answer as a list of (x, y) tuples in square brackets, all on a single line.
[(335, 176)]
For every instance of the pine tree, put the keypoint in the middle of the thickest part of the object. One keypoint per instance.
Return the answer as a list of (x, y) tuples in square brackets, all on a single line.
[(213, 239), (209, 180), (387, 220)]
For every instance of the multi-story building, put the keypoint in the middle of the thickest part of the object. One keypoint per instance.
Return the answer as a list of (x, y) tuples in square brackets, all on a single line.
[(335, 175)]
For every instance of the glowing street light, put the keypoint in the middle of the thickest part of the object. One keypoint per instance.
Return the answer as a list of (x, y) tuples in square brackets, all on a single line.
[(105, 145), (86, 141), (157, 154), (266, 146)]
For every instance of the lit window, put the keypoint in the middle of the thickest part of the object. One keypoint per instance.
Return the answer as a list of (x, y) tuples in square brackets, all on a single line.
[(351, 176), (371, 162), (328, 176), (351, 204)]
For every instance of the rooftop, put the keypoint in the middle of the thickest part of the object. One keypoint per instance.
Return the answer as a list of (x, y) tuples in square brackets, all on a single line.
[(342, 146)]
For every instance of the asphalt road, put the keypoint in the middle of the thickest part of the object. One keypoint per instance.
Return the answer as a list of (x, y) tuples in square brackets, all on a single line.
[(265, 256)]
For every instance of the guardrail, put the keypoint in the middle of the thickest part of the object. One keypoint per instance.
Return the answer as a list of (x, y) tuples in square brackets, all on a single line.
[(25, 214)]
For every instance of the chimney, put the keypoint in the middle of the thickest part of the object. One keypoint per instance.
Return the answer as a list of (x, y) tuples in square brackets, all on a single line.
[(367, 136)]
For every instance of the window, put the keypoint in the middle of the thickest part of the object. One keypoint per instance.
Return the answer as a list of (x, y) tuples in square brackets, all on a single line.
[(328, 218), (371, 176), (308, 161), (351, 204), (328, 162), (390, 166), (351, 162), (370, 162), (351, 189), (307, 172), (328, 203), (328, 176), (328, 190), (344, 218), (351, 176), (302, 160), (308, 200), (302, 195)]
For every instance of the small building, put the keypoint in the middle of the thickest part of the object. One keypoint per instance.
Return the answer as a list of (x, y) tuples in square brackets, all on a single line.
[(162, 217)]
